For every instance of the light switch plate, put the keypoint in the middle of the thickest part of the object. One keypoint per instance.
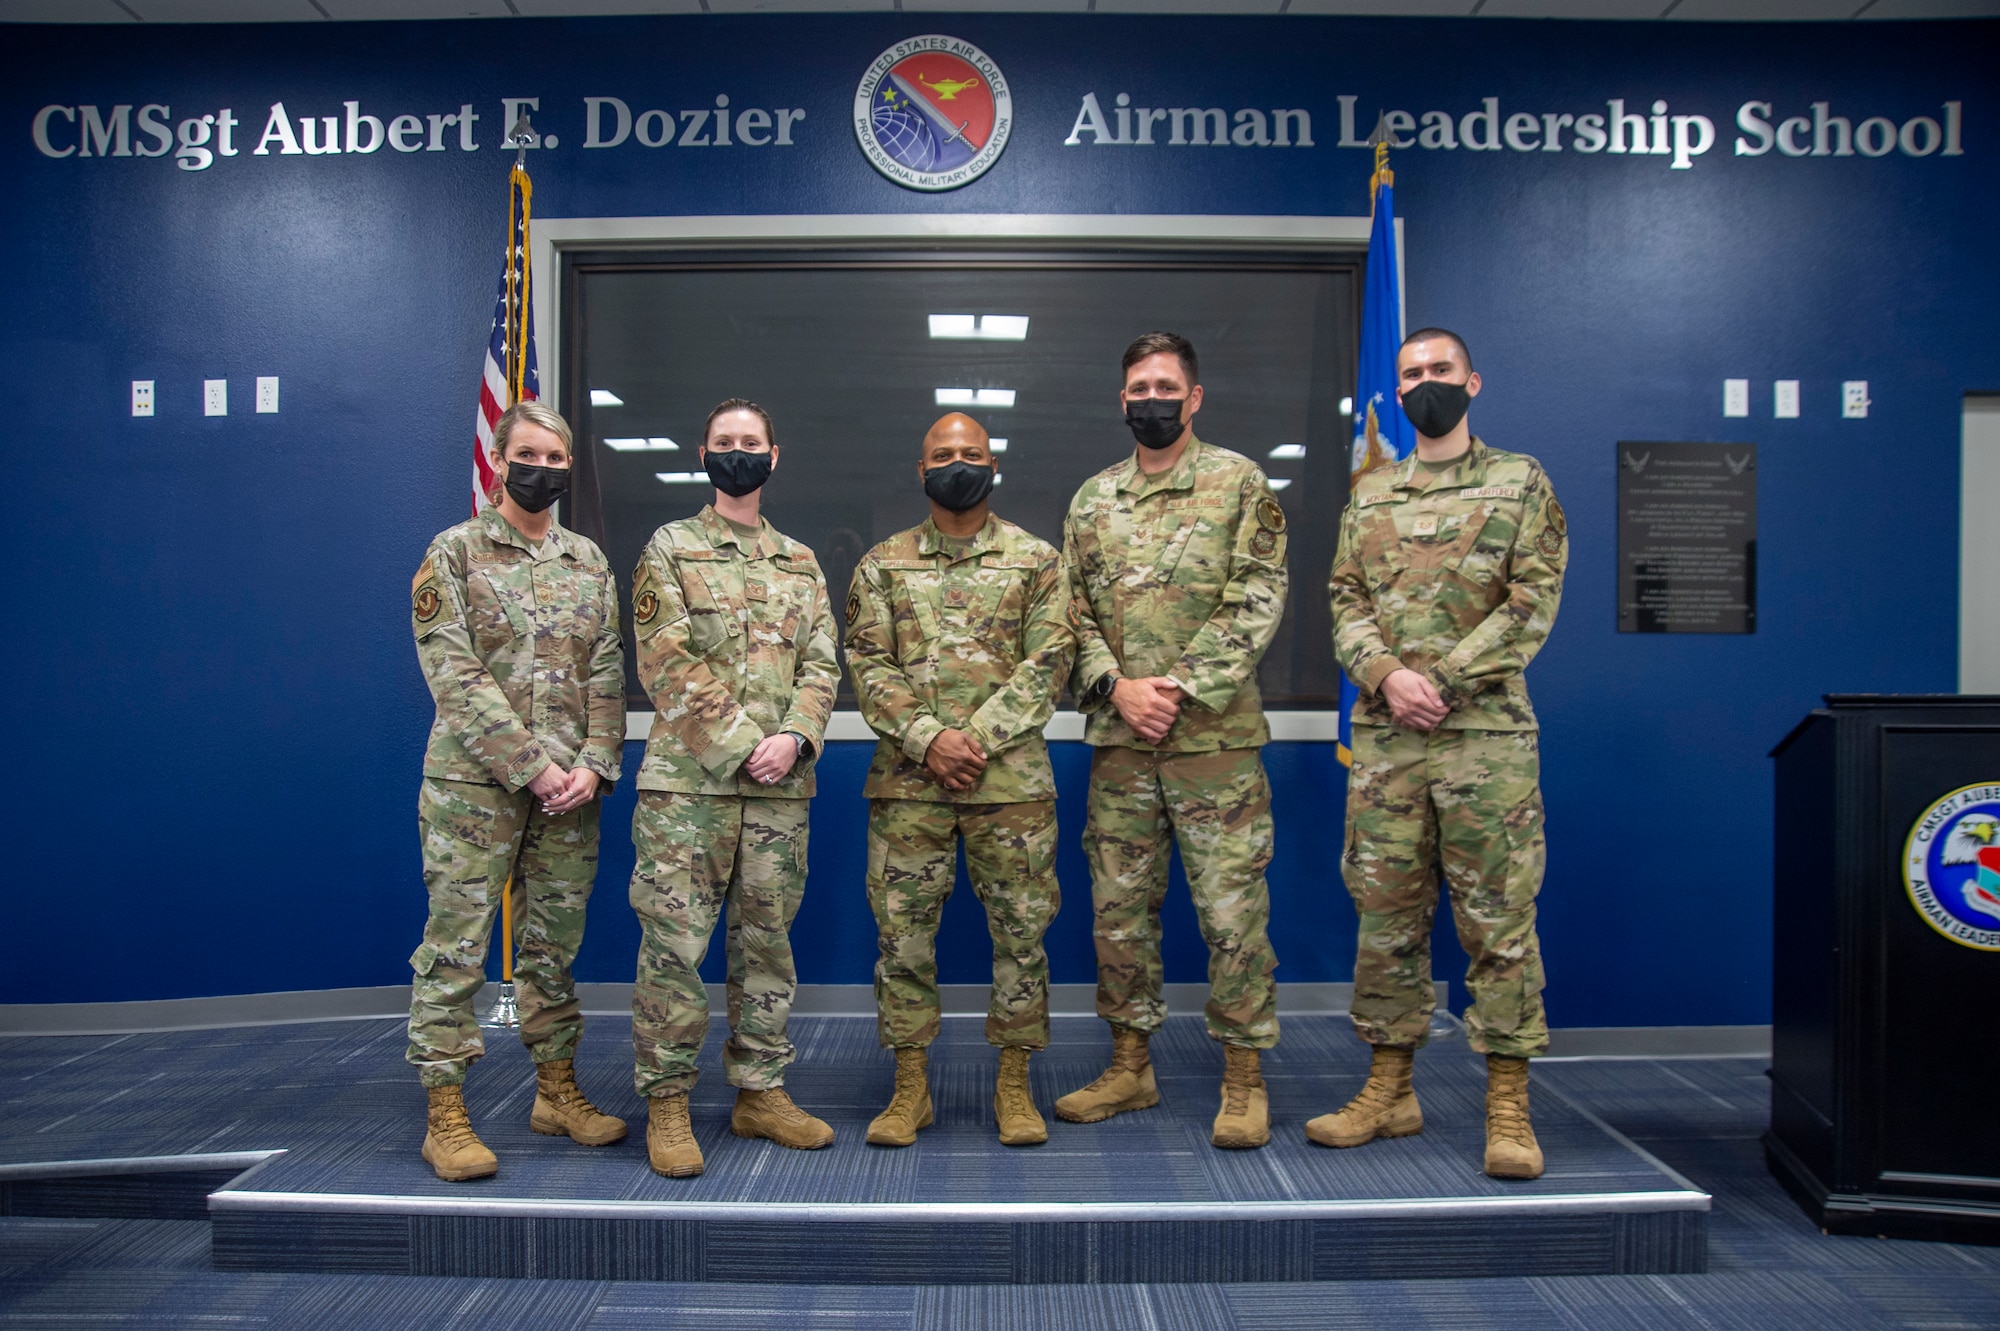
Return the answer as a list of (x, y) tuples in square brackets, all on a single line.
[(142, 397), (1854, 399), (1736, 397), (267, 394), (1785, 399), (215, 397)]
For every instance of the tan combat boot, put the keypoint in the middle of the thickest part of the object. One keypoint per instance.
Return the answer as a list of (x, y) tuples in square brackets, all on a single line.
[(772, 1116), (1126, 1085), (1511, 1148), (1013, 1104), (670, 1145), (561, 1110), (1386, 1107), (910, 1107), (451, 1147), (1245, 1118)]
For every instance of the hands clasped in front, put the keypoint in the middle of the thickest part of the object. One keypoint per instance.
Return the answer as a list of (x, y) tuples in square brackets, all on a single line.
[(1150, 705), (1414, 701), (955, 759), (563, 792), (773, 759)]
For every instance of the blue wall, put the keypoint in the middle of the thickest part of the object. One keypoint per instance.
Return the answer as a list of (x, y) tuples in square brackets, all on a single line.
[(220, 712)]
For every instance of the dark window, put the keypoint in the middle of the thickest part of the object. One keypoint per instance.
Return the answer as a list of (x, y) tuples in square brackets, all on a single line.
[(840, 349)]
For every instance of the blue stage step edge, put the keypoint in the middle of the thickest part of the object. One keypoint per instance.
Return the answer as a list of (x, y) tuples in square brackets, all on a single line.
[(1141, 1198)]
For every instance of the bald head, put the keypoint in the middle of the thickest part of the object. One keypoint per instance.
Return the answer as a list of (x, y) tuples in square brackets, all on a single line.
[(955, 438), (953, 428)]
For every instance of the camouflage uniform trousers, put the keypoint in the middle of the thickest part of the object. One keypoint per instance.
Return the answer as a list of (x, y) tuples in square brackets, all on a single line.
[(1010, 855), (1218, 806), (474, 837), (1471, 802), (696, 854)]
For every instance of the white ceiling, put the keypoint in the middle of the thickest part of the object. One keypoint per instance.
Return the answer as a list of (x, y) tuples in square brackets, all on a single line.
[(321, 11)]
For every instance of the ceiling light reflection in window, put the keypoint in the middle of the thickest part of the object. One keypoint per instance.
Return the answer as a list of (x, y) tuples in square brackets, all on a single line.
[(981, 327), (975, 397)]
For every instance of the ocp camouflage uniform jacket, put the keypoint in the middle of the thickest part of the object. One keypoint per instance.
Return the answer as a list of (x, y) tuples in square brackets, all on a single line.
[(976, 639), (1456, 576), (734, 644), (1180, 575), (520, 647)]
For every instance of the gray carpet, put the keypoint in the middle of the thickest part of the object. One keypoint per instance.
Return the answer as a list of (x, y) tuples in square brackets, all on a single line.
[(1769, 1268)]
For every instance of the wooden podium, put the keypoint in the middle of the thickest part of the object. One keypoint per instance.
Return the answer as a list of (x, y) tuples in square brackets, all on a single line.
[(1885, 1069)]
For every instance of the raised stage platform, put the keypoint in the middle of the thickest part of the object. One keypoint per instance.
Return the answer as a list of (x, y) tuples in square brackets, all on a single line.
[(1141, 1198)]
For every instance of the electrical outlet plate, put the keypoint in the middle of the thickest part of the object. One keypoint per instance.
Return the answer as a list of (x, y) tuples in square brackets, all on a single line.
[(267, 394), (1854, 399), (1785, 399), (142, 397), (215, 397), (1736, 397)]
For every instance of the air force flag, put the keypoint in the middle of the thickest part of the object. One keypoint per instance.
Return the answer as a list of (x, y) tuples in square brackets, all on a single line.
[(1382, 434)]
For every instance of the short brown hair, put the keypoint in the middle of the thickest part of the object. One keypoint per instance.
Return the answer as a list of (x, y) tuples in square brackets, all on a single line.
[(739, 404), (1436, 334), (1152, 344)]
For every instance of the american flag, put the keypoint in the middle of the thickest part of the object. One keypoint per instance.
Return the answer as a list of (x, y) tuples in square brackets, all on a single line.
[(509, 375)]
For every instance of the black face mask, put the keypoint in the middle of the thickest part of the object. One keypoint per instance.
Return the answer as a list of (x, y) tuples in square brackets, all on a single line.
[(737, 473), (1436, 407), (959, 485), (1155, 421), (535, 488)]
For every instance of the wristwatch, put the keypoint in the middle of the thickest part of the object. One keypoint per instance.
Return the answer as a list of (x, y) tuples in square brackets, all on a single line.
[(1100, 692)]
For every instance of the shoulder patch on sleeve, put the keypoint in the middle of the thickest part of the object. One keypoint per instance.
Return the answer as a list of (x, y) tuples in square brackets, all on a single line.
[(648, 612), (853, 606), (1557, 522), (1270, 516), (427, 604)]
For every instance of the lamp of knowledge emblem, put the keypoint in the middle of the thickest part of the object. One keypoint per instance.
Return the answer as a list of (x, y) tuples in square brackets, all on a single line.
[(1951, 866), (933, 113)]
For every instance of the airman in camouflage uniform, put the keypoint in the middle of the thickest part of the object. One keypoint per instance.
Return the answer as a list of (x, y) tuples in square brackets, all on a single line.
[(518, 639), (1449, 572), (960, 640), (1178, 581), (736, 650)]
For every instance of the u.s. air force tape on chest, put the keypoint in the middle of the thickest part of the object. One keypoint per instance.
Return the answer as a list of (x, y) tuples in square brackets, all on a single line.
[(1492, 492)]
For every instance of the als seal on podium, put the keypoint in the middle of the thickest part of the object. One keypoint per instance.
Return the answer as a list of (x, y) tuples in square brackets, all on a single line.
[(933, 113), (1951, 866)]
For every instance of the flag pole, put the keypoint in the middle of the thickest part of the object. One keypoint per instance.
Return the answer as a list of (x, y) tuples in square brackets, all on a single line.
[(520, 191)]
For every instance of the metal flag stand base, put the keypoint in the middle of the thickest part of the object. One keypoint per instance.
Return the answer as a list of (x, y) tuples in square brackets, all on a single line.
[(503, 1014)]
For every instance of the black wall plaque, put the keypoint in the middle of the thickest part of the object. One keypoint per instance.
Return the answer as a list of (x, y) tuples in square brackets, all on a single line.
[(1687, 538)]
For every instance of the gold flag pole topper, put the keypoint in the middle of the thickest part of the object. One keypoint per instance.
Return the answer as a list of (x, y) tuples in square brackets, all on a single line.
[(505, 1014)]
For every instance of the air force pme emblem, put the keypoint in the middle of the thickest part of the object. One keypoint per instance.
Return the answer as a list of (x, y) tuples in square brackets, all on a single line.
[(1951, 866), (933, 113)]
